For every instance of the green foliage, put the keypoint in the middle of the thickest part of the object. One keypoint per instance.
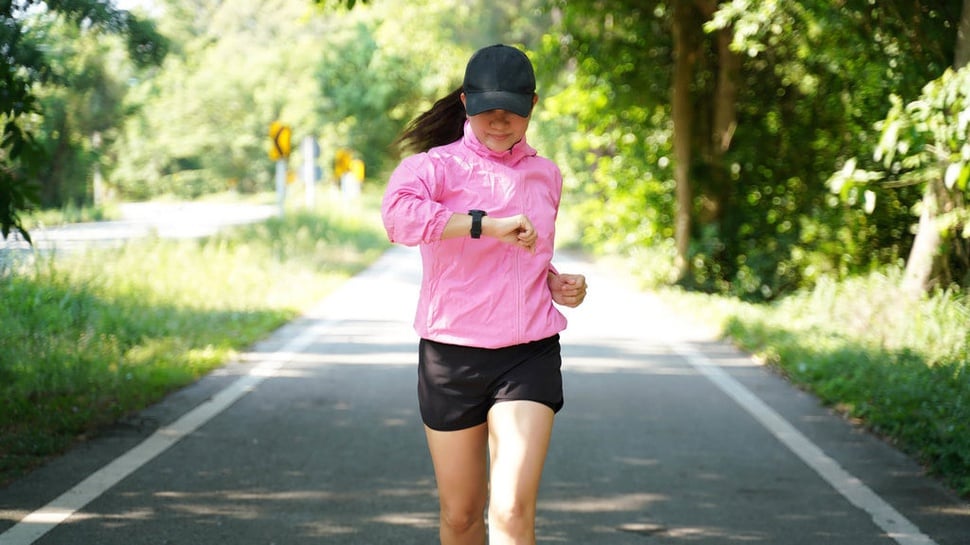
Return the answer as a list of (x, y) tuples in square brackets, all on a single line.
[(349, 78), (21, 63), (200, 123), (923, 141), (927, 139), (24, 64), (80, 110), (17, 193), (348, 4), (89, 339), (606, 124), (815, 78)]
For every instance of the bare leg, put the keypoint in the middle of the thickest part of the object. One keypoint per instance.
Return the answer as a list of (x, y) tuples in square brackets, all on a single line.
[(461, 471), (519, 434)]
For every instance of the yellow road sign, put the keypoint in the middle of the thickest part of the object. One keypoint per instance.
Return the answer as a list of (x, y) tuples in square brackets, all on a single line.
[(280, 134)]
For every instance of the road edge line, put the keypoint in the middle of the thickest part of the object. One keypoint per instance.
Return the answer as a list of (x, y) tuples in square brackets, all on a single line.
[(33, 526), (884, 515)]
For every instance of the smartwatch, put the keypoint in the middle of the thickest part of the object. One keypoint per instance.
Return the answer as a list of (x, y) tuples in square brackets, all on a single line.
[(477, 216)]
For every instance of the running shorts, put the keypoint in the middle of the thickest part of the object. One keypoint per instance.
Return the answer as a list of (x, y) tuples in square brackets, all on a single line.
[(457, 385)]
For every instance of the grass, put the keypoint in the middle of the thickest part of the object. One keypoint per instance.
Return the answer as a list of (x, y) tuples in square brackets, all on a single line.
[(89, 338), (69, 213), (900, 369)]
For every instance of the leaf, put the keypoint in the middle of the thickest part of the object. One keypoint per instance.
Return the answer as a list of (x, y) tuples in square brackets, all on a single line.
[(953, 171), (886, 149), (841, 182), (964, 176), (870, 201)]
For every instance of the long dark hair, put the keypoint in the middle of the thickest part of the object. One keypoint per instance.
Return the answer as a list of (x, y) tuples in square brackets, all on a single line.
[(442, 124)]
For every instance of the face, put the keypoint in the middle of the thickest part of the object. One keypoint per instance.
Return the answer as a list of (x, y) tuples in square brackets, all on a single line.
[(498, 130)]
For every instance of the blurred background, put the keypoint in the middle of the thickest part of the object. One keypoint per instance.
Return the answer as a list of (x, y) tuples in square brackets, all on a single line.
[(748, 148)]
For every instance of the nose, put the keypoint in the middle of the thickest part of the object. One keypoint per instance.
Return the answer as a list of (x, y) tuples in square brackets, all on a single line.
[(500, 116)]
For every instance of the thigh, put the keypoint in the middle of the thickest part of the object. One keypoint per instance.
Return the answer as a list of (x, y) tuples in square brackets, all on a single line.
[(519, 434), (460, 460)]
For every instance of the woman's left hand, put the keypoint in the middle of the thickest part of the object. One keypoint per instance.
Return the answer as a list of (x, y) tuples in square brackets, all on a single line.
[(568, 290)]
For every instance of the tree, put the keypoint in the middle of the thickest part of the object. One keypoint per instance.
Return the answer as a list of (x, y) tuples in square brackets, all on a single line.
[(350, 78), (925, 144), (942, 192), (685, 51), (759, 100), (23, 64), (688, 21)]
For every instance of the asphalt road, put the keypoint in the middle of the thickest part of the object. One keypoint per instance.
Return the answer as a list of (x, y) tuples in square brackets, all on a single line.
[(172, 220), (667, 437)]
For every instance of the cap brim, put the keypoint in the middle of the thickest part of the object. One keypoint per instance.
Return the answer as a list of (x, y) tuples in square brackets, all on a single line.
[(483, 101)]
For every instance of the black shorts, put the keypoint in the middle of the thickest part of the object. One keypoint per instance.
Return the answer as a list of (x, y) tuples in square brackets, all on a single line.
[(457, 385)]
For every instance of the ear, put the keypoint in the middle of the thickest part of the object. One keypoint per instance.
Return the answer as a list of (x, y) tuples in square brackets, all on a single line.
[(535, 98), (462, 97)]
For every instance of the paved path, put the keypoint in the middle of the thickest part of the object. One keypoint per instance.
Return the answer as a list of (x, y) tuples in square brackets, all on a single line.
[(667, 437), (171, 220)]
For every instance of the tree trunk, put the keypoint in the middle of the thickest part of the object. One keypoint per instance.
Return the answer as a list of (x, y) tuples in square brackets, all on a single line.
[(726, 101), (726, 93), (922, 259), (919, 265), (962, 54), (680, 106)]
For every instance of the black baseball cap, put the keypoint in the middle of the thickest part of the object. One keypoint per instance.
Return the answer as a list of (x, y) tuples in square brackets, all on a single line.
[(499, 77)]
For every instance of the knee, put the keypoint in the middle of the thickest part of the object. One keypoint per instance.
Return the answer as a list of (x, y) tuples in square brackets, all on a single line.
[(462, 519), (512, 518)]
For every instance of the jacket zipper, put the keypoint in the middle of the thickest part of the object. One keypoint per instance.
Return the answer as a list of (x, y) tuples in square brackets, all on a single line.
[(517, 275)]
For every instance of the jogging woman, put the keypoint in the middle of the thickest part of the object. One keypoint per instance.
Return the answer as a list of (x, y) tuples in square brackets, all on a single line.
[(482, 206)]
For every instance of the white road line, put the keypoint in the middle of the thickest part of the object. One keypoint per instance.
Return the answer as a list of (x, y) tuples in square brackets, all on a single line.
[(883, 515), (45, 519)]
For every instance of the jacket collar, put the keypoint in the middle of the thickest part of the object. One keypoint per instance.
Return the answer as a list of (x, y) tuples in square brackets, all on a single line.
[(519, 151)]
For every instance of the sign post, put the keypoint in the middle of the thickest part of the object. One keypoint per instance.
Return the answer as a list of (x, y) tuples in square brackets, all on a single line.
[(311, 151), (279, 151)]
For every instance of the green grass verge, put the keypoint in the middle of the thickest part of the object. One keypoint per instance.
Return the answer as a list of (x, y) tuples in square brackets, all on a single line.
[(69, 214), (89, 338), (900, 369)]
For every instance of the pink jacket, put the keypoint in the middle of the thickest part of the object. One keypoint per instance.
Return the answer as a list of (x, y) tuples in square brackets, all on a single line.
[(478, 292)]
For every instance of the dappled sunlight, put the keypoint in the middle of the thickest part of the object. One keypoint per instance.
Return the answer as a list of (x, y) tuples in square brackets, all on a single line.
[(116, 519), (640, 462), (304, 513), (210, 510), (960, 510), (325, 529), (587, 504), (697, 533)]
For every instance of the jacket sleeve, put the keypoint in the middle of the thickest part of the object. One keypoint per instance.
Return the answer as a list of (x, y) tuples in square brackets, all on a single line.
[(410, 213)]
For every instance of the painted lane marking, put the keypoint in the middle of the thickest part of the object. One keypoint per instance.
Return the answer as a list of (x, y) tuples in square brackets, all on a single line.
[(854, 490)]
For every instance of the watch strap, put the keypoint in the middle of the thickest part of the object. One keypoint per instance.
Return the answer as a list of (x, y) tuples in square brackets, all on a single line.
[(477, 216)]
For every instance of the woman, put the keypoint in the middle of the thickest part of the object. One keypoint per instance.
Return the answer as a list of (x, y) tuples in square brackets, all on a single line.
[(482, 205)]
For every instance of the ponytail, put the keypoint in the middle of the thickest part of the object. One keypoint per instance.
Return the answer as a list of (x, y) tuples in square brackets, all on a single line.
[(442, 124)]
